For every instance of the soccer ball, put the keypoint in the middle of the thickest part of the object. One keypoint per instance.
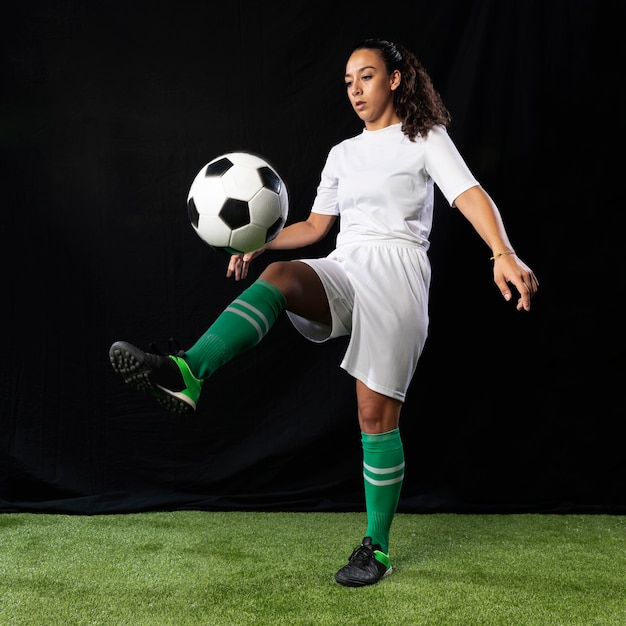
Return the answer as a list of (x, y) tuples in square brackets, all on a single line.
[(237, 203)]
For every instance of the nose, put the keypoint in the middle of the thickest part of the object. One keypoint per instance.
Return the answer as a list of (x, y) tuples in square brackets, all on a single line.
[(356, 88)]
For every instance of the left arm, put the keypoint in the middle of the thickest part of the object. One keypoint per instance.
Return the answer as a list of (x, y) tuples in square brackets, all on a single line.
[(482, 213)]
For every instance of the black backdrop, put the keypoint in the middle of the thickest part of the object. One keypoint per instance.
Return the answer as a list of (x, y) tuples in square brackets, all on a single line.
[(110, 109)]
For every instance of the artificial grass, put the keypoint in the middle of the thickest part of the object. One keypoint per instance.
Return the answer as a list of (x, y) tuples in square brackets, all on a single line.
[(241, 568)]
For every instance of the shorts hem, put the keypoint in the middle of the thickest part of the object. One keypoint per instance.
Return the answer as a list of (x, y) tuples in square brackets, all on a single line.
[(385, 391)]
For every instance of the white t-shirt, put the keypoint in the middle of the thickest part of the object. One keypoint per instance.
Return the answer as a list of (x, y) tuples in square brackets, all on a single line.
[(380, 183)]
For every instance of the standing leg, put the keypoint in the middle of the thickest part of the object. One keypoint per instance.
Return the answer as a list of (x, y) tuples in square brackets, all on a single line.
[(383, 473)]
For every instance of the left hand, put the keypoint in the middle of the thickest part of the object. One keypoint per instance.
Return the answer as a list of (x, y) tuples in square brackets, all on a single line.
[(510, 270)]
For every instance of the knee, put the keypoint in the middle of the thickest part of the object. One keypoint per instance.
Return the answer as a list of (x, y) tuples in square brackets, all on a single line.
[(277, 273), (370, 422), (379, 416), (297, 281), (283, 275)]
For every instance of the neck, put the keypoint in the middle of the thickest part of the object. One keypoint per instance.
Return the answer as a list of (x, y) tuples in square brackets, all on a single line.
[(382, 122)]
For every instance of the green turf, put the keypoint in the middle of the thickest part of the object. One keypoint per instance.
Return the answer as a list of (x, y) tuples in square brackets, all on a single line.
[(233, 568)]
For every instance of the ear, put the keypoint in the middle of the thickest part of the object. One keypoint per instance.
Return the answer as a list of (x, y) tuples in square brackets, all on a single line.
[(395, 79)]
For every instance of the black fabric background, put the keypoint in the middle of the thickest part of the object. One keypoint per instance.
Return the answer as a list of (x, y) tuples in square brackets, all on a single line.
[(108, 112)]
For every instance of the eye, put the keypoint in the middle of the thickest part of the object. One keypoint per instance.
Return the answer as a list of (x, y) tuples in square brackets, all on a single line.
[(366, 77), (348, 83)]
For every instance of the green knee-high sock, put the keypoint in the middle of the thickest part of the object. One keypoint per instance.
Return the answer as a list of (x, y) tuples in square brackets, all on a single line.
[(383, 473), (237, 329)]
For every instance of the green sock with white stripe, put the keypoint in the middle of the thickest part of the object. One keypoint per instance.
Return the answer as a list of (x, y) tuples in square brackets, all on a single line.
[(237, 329), (383, 473)]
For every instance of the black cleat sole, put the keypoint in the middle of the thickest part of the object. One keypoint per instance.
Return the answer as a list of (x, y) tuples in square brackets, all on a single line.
[(134, 366)]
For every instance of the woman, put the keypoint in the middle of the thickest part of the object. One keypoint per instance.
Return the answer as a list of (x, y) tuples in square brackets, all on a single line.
[(373, 287)]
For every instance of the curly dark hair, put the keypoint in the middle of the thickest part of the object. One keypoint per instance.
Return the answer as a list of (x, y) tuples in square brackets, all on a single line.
[(417, 102)]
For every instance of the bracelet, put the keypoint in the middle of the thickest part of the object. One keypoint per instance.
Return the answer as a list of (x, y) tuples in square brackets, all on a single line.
[(495, 256)]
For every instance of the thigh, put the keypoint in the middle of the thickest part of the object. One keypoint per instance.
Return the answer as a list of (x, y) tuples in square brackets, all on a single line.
[(390, 317), (302, 288)]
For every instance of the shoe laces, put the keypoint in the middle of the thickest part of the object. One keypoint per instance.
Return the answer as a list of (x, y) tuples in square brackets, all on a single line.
[(362, 554), (173, 348)]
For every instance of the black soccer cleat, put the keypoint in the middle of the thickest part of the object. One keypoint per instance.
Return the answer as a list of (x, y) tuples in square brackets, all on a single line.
[(166, 377), (367, 565)]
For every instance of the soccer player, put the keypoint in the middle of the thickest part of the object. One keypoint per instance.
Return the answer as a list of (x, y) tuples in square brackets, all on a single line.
[(374, 286)]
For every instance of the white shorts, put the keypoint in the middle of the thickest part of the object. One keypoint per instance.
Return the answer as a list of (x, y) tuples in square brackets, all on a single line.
[(378, 294)]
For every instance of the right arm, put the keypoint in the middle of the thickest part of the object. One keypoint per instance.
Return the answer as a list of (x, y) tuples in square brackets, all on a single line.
[(296, 235)]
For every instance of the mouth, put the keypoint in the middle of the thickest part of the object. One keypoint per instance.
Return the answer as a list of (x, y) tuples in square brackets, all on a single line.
[(359, 104)]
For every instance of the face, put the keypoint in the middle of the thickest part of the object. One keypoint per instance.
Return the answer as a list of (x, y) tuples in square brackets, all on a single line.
[(370, 89)]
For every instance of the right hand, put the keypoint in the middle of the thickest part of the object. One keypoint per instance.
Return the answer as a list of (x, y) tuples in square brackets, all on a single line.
[(239, 264)]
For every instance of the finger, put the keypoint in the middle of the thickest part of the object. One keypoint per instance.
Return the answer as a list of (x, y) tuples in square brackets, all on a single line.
[(525, 292), (530, 280), (522, 289), (504, 288), (232, 266), (232, 270)]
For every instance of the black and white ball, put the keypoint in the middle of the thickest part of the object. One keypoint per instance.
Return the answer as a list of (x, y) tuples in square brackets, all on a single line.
[(238, 203)]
